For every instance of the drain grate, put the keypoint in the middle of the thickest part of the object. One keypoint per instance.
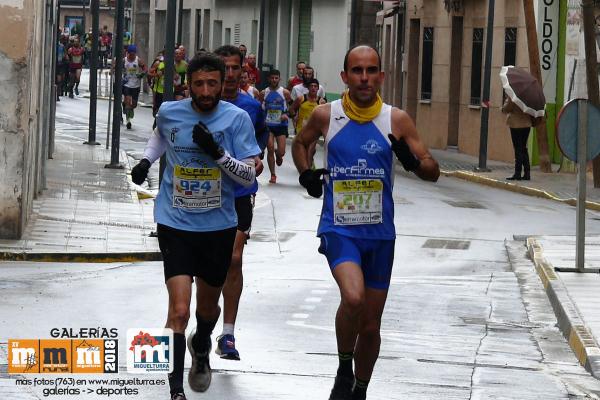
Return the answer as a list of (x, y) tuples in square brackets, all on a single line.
[(465, 204), (446, 244)]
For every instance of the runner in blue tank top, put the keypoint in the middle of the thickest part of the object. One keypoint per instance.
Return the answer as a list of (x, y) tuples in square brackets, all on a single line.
[(244, 201), (357, 220), (275, 100)]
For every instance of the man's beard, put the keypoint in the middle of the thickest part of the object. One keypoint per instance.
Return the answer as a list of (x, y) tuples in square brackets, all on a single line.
[(203, 107)]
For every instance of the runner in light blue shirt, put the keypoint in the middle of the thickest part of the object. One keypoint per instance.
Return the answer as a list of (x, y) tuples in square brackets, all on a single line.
[(210, 147)]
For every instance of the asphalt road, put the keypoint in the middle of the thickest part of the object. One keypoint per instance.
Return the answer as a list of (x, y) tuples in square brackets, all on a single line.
[(466, 316)]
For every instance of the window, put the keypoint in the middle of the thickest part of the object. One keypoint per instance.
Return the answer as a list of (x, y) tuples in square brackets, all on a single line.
[(510, 46), (236, 34), (199, 29), (254, 36), (217, 33), (427, 63), (206, 30), (227, 36), (476, 59)]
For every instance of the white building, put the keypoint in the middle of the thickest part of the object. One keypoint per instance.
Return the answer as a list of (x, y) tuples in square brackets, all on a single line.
[(313, 31)]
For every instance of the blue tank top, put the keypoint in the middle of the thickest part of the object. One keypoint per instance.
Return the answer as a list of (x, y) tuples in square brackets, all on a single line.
[(274, 106), (358, 199)]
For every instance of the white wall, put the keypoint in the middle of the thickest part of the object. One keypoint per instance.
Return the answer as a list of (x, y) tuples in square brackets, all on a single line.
[(241, 12), (330, 26), (158, 29)]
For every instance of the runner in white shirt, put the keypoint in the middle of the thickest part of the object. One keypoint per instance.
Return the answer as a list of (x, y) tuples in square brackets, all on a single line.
[(302, 88)]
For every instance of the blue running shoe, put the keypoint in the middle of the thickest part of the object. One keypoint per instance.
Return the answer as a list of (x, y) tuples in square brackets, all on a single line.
[(226, 347)]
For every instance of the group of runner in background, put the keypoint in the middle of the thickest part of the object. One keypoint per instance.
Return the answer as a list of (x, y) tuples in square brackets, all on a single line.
[(73, 52), (294, 102)]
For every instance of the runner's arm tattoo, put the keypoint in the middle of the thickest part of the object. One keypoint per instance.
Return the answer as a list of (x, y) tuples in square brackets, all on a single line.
[(241, 172)]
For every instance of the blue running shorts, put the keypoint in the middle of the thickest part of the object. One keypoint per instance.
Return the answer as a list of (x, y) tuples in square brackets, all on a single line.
[(375, 257)]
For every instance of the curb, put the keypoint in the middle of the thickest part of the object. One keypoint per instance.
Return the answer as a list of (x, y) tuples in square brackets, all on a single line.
[(82, 257), (570, 322), (511, 187)]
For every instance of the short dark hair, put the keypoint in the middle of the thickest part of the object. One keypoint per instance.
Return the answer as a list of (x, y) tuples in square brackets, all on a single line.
[(360, 45), (300, 62), (205, 61), (274, 72), (312, 81), (229, 51)]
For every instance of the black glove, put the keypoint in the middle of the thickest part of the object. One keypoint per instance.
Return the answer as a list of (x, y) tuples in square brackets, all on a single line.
[(402, 151), (204, 139), (140, 171), (312, 181)]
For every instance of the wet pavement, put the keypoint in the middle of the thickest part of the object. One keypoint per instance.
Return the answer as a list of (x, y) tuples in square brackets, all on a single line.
[(469, 316)]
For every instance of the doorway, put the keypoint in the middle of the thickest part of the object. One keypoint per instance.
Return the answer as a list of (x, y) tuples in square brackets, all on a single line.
[(454, 83)]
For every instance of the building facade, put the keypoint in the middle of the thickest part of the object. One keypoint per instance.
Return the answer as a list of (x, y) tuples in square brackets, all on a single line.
[(28, 31), (433, 54), (316, 32)]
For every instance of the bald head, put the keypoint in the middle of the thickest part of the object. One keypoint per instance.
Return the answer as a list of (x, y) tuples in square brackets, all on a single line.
[(361, 50)]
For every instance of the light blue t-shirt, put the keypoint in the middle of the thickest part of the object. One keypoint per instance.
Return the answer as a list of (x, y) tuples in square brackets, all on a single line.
[(195, 194)]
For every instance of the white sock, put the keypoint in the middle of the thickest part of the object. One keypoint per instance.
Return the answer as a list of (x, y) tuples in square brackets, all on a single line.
[(228, 329)]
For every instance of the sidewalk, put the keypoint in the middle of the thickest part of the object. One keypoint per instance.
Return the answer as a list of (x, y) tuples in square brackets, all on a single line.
[(555, 186), (574, 296), (87, 212)]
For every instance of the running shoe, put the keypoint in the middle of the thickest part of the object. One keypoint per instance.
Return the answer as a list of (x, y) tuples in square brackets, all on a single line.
[(200, 373), (128, 125), (226, 347), (273, 179), (342, 388), (278, 160), (178, 396), (76, 91), (70, 95)]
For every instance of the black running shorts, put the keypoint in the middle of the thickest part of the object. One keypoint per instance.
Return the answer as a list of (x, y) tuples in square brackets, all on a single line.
[(206, 255), (279, 130), (244, 207), (133, 92)]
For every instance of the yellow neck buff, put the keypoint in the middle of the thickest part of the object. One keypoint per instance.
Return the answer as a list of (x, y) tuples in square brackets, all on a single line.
[(361, 114)]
